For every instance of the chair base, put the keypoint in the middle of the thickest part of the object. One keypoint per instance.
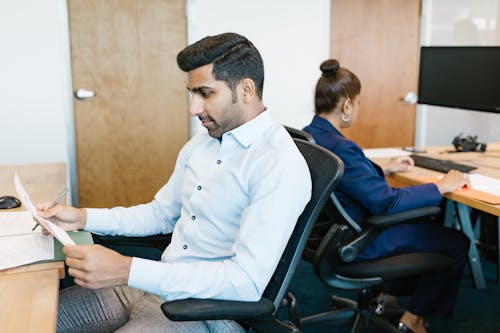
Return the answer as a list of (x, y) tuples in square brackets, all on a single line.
[(366, 320), (361, 315)]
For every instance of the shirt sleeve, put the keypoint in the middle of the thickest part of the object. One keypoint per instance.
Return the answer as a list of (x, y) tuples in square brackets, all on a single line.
[(279, 191), (141, 220)]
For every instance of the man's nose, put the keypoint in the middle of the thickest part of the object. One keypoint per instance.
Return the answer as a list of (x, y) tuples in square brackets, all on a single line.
[(196, 106)]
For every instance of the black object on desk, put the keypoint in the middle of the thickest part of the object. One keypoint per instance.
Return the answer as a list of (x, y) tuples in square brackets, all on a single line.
[(8, 201), (440, 165), (468, 143)]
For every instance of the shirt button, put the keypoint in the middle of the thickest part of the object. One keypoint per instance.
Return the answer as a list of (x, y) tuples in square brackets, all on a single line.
[(198, 187), (193, 217), (219, 161), (184, 246)]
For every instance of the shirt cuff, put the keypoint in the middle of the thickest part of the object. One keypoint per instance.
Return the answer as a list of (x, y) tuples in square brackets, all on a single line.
[(146, 275)]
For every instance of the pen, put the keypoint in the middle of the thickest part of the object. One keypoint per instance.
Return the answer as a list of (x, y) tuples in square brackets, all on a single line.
[(54, 203)]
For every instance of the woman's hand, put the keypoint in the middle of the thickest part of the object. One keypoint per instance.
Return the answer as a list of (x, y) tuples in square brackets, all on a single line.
[(452, 181), (67, 217), (398, 164)]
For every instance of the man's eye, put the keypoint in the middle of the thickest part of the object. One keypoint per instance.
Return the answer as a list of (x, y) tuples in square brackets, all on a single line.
[(205, 94)]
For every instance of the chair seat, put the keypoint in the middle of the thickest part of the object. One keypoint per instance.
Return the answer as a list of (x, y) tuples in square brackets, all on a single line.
[(391, 268)]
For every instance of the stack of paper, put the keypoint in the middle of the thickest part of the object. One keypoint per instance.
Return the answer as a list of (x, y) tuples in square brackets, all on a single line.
[(18, 244)]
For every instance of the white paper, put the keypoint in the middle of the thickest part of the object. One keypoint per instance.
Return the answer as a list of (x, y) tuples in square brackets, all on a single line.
[(16, 223), (385, 152), (54, 229), (24, 249), (485, 184)]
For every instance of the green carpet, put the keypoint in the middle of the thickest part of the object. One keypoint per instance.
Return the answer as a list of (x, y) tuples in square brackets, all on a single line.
[(475, 311)]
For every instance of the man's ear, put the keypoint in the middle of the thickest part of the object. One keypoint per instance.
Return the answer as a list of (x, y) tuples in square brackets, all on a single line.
[(248, 90)]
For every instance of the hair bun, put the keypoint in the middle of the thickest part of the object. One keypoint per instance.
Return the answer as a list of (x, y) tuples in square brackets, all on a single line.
[(330, 67)]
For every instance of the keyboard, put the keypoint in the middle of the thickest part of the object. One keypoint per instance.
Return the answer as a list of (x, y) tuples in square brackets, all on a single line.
[(440, 165)]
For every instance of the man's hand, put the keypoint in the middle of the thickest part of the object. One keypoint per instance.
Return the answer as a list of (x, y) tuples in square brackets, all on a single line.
[(95, 267), (67, 217)]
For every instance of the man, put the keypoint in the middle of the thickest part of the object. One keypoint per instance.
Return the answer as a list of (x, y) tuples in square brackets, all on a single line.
[(231, 203)]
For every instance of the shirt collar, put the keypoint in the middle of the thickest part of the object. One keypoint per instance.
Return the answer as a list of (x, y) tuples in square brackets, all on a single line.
[(324, 125), (250, 131)]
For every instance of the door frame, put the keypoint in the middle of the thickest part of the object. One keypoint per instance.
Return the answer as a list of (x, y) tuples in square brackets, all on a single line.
[(67, 88), (421, 110)]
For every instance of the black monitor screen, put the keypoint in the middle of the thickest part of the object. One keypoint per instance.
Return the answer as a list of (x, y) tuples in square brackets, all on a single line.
[(462, 77)]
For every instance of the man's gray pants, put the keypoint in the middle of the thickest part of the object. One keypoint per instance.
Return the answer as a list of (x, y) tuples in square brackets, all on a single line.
[(124, 309)]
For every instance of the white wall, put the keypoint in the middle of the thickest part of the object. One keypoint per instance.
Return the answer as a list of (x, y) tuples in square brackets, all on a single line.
[(458, 23), (33, 82), (292, 37)]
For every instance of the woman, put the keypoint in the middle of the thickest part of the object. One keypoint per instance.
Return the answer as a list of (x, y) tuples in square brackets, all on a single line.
[(363, 192)]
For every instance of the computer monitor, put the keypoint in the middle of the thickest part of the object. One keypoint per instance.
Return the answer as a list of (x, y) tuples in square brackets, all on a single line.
[(465, 77)]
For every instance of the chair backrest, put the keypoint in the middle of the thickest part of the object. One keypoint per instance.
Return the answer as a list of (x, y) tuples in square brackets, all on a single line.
[(326, 170), (299, 134)]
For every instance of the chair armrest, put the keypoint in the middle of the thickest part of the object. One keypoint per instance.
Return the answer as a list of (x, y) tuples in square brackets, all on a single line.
[(209, 309), (388, 220), (349, 251), (377, 224)]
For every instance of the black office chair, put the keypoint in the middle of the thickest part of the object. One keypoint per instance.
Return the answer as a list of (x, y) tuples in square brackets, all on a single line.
[(332, 248), (149, 247), (299, 134), (326, 170)]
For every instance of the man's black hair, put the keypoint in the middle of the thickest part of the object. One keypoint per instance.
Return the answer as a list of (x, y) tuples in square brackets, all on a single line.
[(234, 58)]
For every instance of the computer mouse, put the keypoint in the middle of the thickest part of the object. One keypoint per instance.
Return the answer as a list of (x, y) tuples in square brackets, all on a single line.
[(8, 201)]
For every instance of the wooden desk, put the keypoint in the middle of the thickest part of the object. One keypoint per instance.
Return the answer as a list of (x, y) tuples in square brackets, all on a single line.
[(488, 164), (28, 294), (28, 297)]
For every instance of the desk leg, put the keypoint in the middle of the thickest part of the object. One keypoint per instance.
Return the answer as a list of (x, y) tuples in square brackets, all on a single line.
[(474, 261), (449, 216), (498, 251)]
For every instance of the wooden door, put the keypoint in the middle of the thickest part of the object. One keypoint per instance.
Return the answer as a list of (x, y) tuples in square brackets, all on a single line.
[(378, 40), (129, 134)]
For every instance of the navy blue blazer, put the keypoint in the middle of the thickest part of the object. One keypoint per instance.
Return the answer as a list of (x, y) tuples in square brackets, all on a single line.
[(363, 190)]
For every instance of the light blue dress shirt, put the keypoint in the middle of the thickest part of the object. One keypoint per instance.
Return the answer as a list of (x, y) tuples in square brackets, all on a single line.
[(231, 204)]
